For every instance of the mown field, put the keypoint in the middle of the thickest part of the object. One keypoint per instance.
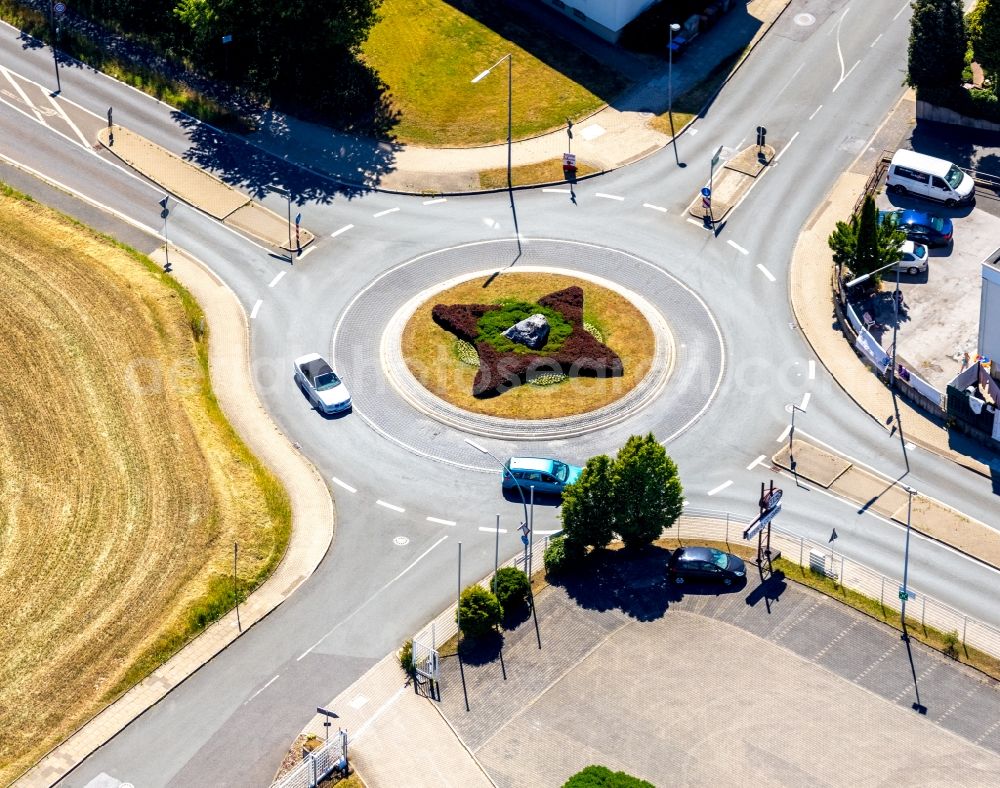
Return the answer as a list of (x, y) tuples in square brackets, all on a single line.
[(122, 487)]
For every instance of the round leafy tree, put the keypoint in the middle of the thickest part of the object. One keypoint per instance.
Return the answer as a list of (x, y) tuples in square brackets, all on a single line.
[(479, 612), (512, 587), (603, 777)]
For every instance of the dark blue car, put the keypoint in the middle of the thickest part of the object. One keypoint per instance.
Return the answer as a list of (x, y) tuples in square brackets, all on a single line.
[(920, 226)]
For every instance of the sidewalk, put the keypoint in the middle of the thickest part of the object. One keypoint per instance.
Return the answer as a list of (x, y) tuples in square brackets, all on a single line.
[(812, 303), (312, 521), (612, 137), (196, 187), (398, 737)]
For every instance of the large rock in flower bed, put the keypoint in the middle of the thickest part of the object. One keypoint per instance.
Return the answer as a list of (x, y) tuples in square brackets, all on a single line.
[(531, 332), (580, 354)]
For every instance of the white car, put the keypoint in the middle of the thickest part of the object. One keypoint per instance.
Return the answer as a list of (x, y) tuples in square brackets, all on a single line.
[(912, 258), (320, 383)]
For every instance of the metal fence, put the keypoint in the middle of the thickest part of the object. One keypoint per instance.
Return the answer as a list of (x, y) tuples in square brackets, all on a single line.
[(717, 526), (445, 627), (317, 765), (820, 558)]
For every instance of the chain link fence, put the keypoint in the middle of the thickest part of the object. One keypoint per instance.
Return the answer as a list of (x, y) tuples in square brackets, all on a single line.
[(717, 526)]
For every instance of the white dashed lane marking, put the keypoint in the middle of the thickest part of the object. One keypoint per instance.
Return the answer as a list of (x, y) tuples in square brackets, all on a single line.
[(343, 229), (440, 521), (277, 278), (659, 208), (766, 273), (720, 488), (383, 213), (812, 369), (343, 484), (261, 690), (556, 191), (784, 434), (388, 505), (756, 462), (492, 530), (805, 401), (256, 309), (782, 153), (436, 201), (873, 43), (737, 247), (816, 111), (609, 196)]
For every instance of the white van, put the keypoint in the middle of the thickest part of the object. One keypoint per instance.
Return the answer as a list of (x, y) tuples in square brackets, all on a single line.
[(925, 176)]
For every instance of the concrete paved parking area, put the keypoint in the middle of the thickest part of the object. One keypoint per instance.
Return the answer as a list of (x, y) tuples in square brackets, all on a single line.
[(781, 686), (941, 319)]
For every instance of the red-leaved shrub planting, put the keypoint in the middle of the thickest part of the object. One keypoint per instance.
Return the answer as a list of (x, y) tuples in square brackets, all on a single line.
[(580, 355)]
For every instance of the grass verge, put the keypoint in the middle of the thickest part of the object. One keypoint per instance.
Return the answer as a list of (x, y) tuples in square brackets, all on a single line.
[(428, 51), (549, 171), (429, 349), (169, 91)]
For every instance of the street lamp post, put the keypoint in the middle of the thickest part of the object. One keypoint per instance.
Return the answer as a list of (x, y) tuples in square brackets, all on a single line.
[(674, 27), (504, 470), (509, 57), (896, 299), (54, 32), (895, 313), (905, 593)]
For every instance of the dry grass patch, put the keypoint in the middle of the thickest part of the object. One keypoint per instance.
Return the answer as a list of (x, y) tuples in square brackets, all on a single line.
[(123, 487), (549, 171), (431, 355)]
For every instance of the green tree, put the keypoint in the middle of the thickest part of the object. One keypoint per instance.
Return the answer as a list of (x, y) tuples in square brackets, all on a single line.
[(937, 45), (646, 491), (479, 612), (866, 254), (863, 245), (603, 777), (512, 588), (199, 17), (588, 505), (984, 37)]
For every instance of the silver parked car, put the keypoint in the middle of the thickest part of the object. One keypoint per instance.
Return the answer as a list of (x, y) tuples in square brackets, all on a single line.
[(321, 385)]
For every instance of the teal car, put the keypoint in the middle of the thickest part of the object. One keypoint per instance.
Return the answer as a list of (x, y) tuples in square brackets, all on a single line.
[(545, 475)]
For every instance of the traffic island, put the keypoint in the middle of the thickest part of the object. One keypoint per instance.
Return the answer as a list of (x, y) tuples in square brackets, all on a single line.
[(733, 181), (204, 191)]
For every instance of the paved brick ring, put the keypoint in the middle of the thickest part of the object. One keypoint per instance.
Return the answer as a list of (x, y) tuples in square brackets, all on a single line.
[(686, 372)]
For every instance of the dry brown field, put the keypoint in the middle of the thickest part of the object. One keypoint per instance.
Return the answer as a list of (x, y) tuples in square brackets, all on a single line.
[(429, 349), (122, 486)]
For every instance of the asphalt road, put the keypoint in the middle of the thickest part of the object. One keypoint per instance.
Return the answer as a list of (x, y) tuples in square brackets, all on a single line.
[(822, 89)]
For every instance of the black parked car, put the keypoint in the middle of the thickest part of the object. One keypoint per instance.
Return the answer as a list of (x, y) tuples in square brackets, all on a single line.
[(705, 564), (920, 226)]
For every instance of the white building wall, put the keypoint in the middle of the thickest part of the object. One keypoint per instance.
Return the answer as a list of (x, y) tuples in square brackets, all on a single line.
[(610, 14), (989, 309)]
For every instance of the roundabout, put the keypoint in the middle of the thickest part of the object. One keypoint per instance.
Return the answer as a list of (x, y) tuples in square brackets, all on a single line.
[(681, 369)]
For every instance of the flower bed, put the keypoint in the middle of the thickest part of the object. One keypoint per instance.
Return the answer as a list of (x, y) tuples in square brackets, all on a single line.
[(503, 364)]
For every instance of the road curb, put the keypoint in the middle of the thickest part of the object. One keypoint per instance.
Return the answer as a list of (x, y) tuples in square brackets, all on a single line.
[(306, 548)]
